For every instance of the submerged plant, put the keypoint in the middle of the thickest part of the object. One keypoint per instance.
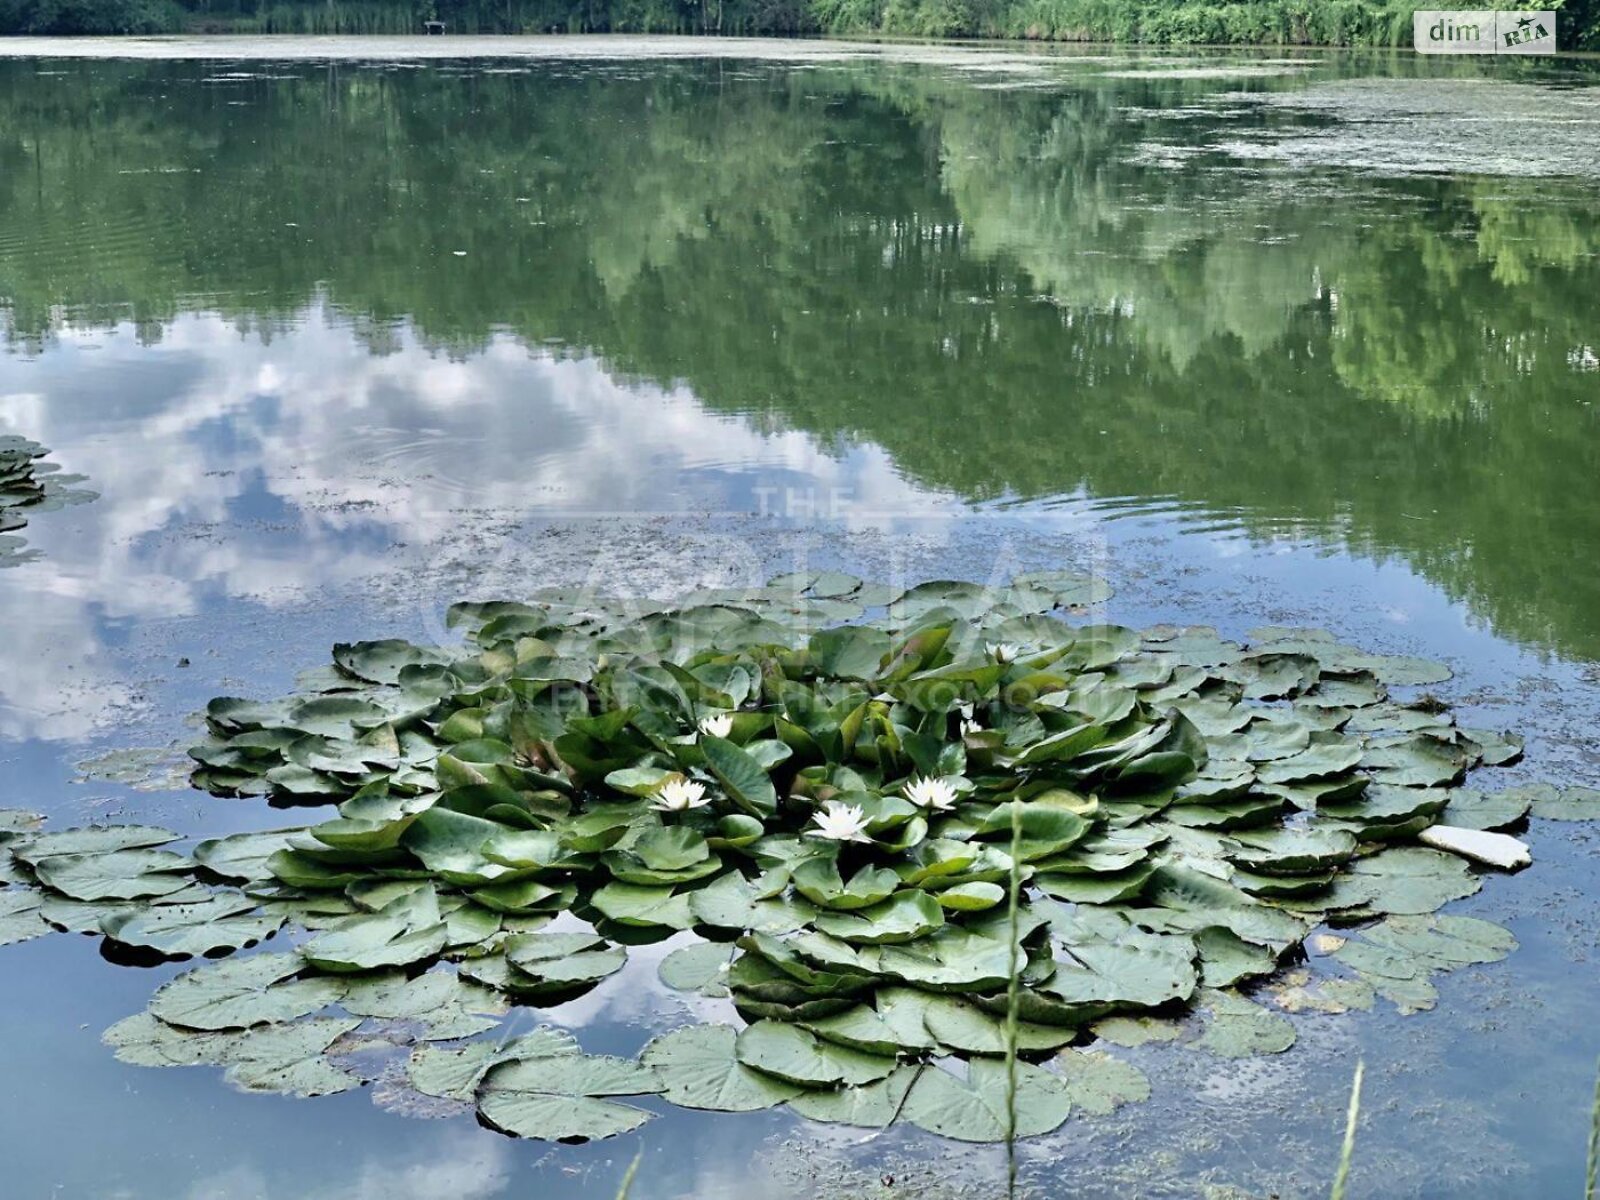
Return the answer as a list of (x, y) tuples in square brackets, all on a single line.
[(924, 873)]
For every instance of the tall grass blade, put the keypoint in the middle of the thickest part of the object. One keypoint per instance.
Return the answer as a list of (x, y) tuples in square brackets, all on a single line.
[(1013, 997), (633, 1169), (1349, 1148), (1592, 1176)]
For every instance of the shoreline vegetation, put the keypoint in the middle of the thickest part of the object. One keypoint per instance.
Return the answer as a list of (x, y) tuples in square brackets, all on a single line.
[(1368, 23)]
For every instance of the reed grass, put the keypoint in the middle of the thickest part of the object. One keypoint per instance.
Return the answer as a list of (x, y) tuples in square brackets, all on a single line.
[(627, 1179), (1013, 999), (1592, 1173), (1347, 1151)]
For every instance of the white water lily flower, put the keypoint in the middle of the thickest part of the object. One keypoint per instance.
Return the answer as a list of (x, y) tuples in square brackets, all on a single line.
[(968, 728), (717, 725), (840, 822), (935, 795), (1005, 652), (679, 795)]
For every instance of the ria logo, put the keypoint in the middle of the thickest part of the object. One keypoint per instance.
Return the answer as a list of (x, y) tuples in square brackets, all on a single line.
[(1483, 31), (1530, 28)]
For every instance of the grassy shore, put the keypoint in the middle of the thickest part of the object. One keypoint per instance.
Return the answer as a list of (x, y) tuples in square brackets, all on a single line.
[(1191, 22)]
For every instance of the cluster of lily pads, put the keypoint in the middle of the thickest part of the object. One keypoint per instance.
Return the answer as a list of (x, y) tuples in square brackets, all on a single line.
[(26, 483), (900, 834)]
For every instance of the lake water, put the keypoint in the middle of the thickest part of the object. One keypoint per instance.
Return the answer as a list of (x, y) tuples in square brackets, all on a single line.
[(343, 331)]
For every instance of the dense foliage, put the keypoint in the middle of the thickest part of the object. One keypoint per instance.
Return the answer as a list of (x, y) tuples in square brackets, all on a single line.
[(888, 830), (1190, 22)]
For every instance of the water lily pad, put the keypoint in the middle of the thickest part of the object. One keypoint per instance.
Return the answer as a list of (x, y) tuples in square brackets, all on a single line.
[(1133, 1032), (453, 1073), (1241, 1029), (1098, 1083), (977, 1109), (557, 1098), (286, 1059), (799, 1056), (91, 840), (116, 875), (1406, 880), (873, 1105), (452, 1007), (731, 903), (407, 930), (289, 1059), (243, 856), (904, 918), (701, 967), (742, 775), (240, 992), (1574, 804), (643, 907), (958, 1025), (222, 923), (20, 918), (1470, 808), (699, 1068)]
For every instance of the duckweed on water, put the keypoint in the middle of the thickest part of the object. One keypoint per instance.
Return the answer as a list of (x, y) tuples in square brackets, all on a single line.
[(833, 802)]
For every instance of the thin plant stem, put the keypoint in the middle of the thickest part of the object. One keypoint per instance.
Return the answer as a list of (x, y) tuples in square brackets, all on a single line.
[(1013, 999), (633, 1169), (1592, 1175), (1348, 1150)]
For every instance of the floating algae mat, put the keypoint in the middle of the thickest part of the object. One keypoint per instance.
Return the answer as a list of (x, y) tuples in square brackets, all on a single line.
[(28, 485), (874, 810)]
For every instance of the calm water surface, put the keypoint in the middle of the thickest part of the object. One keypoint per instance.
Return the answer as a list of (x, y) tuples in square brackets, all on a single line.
[(338, 341)]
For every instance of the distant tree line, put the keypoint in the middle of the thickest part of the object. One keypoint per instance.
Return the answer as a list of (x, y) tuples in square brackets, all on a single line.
[(1186, 22)]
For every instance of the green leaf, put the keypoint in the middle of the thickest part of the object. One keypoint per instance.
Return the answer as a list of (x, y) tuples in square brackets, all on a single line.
[(698, 1068), (91, 840), (556, 1098), (643, 907), (741, 775), (970, 897), (798, 1056), (451, 845), (1098, 1083), (223, 923), (889, 1029), (242, 857), (731, 903), (640, 781), (454, 1073), (904, 918), (453, 1007), (1574, 804), (286, 1059), (20, 918), (671, 849), (240, 992), (116, 875), (976, 1109), (1470, 808), (1406, 880), (874, 1105), (407, 930), (1240, 1029), (701, 967)]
